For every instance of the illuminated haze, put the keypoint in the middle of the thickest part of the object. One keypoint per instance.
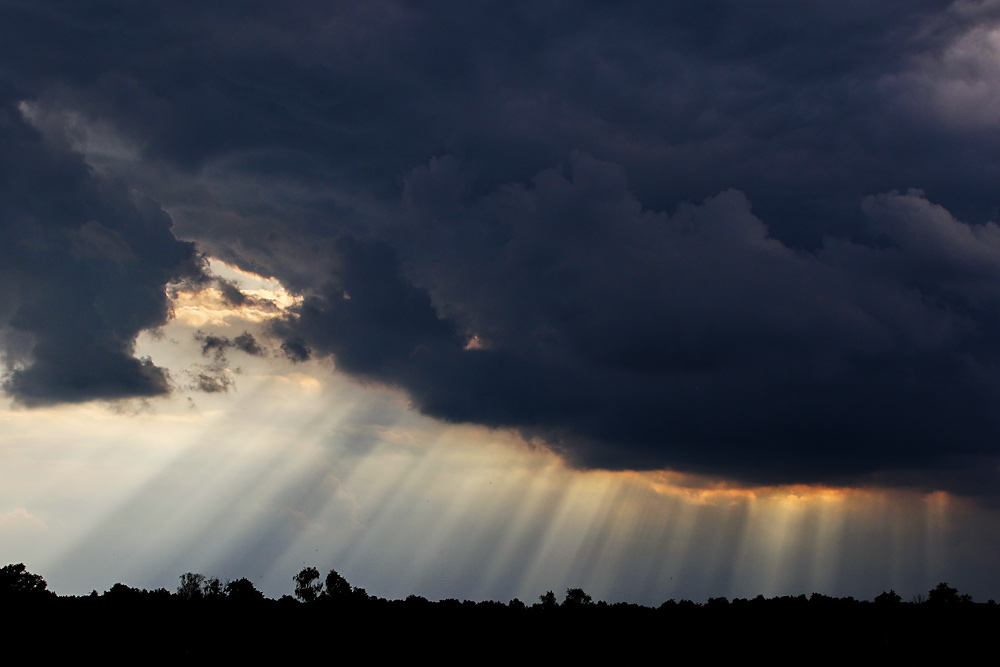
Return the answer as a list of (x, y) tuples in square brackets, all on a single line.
[(663, 301)]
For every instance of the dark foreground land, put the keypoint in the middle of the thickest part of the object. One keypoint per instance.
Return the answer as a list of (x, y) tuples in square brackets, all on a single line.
[(236, 623)]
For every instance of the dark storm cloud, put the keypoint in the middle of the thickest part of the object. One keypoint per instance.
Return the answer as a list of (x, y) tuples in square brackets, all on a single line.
[(672, 234), (630, 337), (83, 268)]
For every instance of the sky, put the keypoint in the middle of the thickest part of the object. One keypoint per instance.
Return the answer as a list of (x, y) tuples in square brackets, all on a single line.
[(480, 300)]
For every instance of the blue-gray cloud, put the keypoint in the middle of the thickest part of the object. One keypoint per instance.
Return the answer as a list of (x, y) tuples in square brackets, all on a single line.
[(740, 238), (84, 265)]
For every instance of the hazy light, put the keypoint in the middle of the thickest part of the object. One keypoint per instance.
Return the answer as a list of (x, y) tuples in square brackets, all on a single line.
[(298, 465)]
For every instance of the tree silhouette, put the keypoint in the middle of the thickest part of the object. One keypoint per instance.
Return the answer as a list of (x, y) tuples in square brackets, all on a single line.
[(358, 594), (945, 594), (122, 593), (16, 581), (337, 587), (575, 597), (890, 597), (308, 587), (212, 588), (242, 590), (942, 594), (548, 600), (190, 587)]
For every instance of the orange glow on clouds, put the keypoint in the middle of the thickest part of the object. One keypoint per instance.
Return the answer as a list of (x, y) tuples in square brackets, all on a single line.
[(704, 490), (266, 299), (300, 465)]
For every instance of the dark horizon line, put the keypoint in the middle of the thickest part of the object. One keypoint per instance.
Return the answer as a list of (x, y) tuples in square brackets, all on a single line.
[(17, 583)]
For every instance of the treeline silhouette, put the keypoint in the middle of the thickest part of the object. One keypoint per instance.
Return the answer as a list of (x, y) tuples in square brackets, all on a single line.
[(207, 619)]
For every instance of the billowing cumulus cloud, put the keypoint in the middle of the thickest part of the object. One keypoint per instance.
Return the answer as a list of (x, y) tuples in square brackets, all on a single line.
[(728, 237), (85, 265), (633, 338)]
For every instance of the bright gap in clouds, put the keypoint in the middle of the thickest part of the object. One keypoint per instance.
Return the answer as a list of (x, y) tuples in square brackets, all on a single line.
[(295, 464)]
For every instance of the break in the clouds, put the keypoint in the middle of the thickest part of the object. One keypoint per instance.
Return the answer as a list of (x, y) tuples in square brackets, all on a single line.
[(749, 239)]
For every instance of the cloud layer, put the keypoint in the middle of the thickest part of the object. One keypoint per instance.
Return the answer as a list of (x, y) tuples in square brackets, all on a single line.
[(735, 238)]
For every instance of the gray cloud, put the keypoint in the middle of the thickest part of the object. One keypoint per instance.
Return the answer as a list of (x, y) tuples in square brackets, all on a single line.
[(217, 376), (628, 337), (85, 266), (671, 234)]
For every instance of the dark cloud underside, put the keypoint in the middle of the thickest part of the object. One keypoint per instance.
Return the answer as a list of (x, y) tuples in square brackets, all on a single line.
[(83, 267), (745, 238)]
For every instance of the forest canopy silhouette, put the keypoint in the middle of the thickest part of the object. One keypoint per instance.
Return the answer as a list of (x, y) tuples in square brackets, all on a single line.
[(143, 618)]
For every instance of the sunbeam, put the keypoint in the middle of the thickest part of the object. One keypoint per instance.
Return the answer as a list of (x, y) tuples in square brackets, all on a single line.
[(298, 465), (658, 300)]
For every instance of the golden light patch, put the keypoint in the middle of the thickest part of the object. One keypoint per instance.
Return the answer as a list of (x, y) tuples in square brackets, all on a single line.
[(246, 279), (474, 343), (264, 299), (706, 491), (209, 307), (306, 382)]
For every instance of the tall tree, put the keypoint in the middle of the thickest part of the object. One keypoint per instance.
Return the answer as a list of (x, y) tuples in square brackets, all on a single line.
[(575, 597), (242, 590), (190, 586), (337, 587), (15, 580), (308, 587)]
